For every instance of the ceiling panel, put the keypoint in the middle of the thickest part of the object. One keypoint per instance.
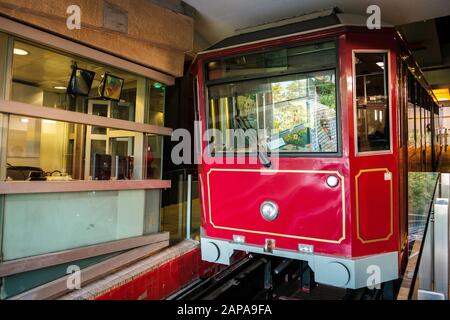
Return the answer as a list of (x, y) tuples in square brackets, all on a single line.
[(218, 19)]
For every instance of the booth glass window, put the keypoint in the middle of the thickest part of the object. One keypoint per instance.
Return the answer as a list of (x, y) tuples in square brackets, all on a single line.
[(47, 150), (372, 102), (288, 114), (48, 78), (156, 93)]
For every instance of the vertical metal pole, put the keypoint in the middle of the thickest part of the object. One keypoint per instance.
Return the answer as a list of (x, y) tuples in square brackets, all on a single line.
[(189, 207), (441, 212)]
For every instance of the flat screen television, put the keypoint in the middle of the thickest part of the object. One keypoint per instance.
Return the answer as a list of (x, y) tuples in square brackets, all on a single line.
[(101, 167), (80, 82), (112, 87)]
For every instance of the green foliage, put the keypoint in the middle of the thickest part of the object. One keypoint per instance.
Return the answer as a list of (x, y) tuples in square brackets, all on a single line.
[(326, 91), (299, 138)]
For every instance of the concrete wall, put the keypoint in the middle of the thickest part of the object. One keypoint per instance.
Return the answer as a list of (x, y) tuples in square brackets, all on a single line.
[(151, 35)]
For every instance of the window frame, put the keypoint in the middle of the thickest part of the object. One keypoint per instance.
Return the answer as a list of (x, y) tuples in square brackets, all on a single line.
[(63, 46), (291, 154), (355, 104)]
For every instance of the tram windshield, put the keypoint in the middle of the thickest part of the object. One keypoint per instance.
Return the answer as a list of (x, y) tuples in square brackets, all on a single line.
[(288, 114)]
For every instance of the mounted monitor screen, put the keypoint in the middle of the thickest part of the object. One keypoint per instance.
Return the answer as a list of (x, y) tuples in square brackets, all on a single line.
[(80, 82), (112, 87)]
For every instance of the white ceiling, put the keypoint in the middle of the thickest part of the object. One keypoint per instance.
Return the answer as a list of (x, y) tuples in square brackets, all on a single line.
[(218, 19)]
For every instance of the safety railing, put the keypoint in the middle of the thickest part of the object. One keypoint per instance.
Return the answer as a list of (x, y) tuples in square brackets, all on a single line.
[(427, 272)]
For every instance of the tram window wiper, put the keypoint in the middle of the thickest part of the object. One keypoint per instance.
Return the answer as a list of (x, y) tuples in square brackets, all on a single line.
[(261, 149)]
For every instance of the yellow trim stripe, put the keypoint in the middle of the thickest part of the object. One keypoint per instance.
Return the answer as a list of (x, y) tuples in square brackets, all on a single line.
[(343, 237)]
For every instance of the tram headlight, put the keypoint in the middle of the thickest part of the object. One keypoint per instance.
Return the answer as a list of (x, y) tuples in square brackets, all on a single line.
[(332, 181), (269, 210)]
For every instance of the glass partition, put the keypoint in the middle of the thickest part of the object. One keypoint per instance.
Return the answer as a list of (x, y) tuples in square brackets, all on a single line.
[(156, 93), (43, 77), (40, 150), (35, 224), (153, 157), (174, 208)]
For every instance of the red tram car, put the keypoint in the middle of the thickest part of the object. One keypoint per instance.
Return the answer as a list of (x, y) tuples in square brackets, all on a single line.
[(345, 113)]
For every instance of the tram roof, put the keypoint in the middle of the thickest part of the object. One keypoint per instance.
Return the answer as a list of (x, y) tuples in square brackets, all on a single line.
[(324, 19)]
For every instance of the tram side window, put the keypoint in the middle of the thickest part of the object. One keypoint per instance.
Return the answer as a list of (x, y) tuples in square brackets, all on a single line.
[(372, 102), (288, 114)]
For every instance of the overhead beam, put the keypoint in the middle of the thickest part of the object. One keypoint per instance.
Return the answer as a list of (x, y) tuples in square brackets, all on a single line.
[(33, 111)]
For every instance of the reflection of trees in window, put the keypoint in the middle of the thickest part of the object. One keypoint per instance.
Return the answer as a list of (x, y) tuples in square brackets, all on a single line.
[(326, 91)]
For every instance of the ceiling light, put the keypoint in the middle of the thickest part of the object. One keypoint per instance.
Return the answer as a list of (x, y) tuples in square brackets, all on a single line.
[(381, 65), (442, 94), (20, 52), (60, 88), (24, 120), (49, 121)]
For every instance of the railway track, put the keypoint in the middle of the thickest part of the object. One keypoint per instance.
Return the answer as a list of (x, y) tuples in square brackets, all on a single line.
[(267, 278)]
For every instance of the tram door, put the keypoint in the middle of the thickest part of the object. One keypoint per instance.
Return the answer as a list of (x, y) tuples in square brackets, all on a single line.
[(377, 171)]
